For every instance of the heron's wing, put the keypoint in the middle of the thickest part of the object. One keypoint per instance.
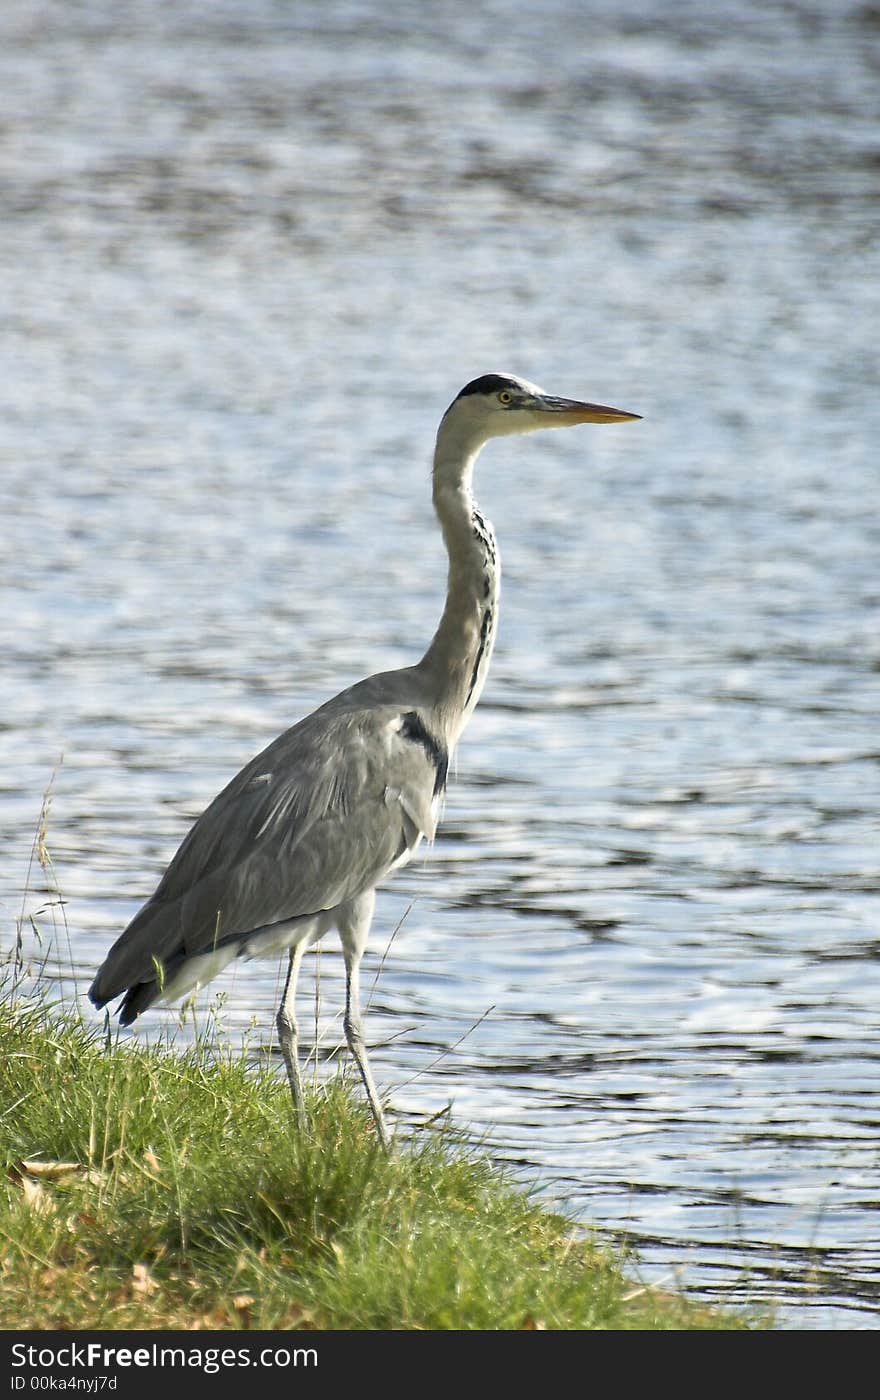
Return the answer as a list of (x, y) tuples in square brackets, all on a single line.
[(317, 818)]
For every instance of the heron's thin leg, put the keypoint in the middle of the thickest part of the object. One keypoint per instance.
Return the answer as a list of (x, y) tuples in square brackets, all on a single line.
[(354, 926), (288, 1030)]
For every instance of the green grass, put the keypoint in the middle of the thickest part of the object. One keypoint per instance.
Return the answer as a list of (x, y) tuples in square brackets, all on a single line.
[(188, 1198)]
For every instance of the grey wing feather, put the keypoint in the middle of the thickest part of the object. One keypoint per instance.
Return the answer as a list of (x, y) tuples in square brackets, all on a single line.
[(317, 818)]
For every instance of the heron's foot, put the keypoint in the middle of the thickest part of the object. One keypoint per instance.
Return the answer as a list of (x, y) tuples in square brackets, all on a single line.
[(354, 1036), (296, 1095), (381, 1125), (287, 1041)]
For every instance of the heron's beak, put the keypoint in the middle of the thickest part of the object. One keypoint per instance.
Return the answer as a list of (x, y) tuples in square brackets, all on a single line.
[(573, 411)]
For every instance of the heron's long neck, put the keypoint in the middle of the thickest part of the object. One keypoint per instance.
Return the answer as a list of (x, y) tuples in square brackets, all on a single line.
[(458, 658)]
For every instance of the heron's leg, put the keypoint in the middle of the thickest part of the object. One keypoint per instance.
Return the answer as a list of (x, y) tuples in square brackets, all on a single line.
[(288, 1030), (354, 926)]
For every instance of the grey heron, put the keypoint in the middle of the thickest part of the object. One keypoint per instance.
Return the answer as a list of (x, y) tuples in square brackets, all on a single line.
[(298, 841)]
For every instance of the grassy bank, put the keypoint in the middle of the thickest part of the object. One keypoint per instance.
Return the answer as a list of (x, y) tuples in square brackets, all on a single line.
[(145, 1188)]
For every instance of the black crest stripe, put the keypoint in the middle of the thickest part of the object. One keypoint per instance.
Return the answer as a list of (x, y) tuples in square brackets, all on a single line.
[(487, 384)]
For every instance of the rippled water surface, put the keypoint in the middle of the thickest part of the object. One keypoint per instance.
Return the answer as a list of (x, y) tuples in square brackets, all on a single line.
[(249, 253)]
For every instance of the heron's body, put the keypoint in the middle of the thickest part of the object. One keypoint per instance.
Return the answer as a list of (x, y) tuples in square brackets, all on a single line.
[(298, 841)]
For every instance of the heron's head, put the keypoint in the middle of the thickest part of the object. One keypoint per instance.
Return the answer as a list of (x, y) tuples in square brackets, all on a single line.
[(497, 404)]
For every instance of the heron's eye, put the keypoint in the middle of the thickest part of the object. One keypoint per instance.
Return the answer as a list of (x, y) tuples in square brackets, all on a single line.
[(505, 397)]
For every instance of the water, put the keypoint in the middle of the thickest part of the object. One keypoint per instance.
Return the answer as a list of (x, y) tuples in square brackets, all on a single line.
[(249, 253)]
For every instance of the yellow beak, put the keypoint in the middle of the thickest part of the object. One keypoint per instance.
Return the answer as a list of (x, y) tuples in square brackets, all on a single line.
[(573, 411)]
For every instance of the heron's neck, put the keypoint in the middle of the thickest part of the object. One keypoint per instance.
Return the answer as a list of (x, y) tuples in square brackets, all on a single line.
[(458, 658)]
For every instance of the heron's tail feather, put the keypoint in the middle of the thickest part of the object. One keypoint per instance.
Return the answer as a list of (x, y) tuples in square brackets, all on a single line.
[(165, 982)]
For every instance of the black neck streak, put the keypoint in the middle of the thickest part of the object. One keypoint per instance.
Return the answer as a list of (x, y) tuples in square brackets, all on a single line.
[(413, 728), (486, 539)]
